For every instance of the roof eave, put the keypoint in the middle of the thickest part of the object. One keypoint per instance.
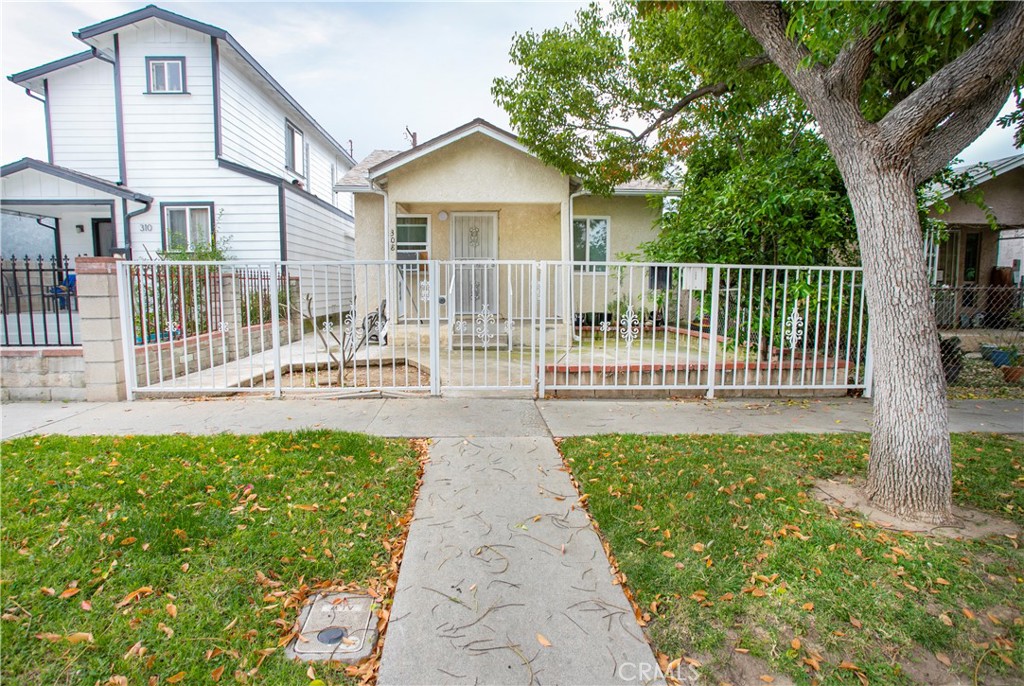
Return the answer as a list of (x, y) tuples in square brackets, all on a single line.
[(27, 163), (23, 78), (445, 139)]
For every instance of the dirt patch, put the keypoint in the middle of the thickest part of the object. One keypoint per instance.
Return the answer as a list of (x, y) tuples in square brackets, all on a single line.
[(359, 376), (971, 523)]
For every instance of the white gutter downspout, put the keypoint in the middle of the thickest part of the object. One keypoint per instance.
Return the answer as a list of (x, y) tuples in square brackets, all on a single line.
[(568, 259), (388, 286)]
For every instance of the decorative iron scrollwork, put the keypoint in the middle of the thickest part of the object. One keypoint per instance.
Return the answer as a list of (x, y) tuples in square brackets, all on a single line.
[(629, 326), (485, 325), (794, 327)]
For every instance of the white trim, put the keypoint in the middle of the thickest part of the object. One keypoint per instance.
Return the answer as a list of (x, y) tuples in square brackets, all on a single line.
[(445, 140), (572, 240), (983, 175), (398, 220)]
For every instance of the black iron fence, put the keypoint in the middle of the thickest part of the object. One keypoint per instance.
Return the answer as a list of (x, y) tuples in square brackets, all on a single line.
[(39, 302), (979, 307)]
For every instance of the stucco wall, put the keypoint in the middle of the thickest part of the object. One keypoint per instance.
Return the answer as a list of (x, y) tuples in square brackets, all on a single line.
[(632, 220), (525, 232), (477, 169)]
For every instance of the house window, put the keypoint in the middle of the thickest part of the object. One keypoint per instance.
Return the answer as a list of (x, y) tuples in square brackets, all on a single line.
[(165, 74), (186, 226), (413, 239), (294, 149), (590, 242)]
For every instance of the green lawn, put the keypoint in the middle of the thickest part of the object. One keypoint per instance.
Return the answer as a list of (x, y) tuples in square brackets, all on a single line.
[(722, 534), (174, 555)]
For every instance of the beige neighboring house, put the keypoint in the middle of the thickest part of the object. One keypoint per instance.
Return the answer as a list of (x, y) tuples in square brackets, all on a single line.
[(976, 271), (476, 192), (974, 252)]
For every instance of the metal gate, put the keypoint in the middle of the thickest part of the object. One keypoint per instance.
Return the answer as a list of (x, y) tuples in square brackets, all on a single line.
[(519, 327)]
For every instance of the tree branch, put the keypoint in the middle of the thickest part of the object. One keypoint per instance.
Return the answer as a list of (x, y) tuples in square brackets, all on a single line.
[(941, 144), (851, 66), (767, 21), (688, 99), (999, 53)]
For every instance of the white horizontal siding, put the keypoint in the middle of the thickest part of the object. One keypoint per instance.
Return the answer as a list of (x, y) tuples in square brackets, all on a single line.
[(315, 233), (83, 123), (166, 128), (170, 151), (253, 129), (245, 215)]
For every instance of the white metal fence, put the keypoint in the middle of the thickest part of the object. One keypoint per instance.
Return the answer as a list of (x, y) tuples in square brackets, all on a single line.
[(430, 327)]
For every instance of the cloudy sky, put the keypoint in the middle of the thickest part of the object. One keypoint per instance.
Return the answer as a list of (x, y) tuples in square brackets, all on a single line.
[(364, 70)]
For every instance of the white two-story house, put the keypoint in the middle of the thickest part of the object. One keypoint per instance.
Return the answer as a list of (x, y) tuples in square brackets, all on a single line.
[(166, 132)]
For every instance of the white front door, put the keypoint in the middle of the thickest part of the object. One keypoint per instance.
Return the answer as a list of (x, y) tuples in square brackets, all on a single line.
[(475, 240)]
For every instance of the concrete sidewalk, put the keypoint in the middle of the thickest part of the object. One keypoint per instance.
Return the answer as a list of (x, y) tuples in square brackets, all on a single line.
[(494, 417)]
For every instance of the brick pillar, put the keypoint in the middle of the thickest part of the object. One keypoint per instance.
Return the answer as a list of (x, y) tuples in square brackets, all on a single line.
[(100, 315)]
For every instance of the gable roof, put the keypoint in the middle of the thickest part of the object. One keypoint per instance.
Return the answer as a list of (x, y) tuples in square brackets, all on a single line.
[(380, 162), (75, 176), (215, 32), (981, 172)]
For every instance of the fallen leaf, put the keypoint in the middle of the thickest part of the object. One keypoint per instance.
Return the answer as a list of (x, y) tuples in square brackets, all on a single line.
[(543, 641), (70, 592), (967, 613), (117, 680), (80, 637), (944, 659), (166, 629), (945, 619), (86, 605), (172, 610), (137, 593), (215, 674), (697, 547), (809, 607), (176, 678), (767, 679), (52, 638), (795, 644), (855, 622), (669, 554)]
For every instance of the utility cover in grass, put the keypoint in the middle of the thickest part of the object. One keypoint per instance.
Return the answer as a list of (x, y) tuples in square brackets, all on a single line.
[(335, 627)]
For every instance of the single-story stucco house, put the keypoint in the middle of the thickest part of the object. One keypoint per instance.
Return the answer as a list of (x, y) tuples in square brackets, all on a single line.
[(477, 193), (976, 271)]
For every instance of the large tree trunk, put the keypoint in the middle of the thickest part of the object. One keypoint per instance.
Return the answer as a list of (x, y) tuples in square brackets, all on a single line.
[(910, 467)]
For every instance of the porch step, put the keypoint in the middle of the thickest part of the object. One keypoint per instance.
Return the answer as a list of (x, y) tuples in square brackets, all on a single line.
[(483, 331)]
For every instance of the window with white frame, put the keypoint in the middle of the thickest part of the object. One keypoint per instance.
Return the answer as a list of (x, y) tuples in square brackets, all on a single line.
[(294, 149), (186, 226), (412, 238), (165, 74), (590, 242)]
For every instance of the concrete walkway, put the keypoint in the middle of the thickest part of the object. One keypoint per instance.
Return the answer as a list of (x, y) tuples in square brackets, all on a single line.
[(453, 416), (504, 581)]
